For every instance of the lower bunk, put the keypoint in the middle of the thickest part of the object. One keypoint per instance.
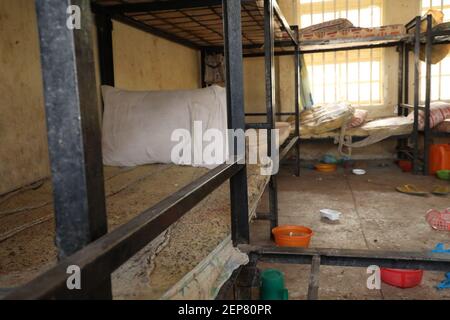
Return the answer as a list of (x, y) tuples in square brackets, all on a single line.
[(372, 132), (190, 260)]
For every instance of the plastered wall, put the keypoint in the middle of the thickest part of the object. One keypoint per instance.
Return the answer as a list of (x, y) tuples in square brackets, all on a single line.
[(146, 62), (142, 62), (23, 143)]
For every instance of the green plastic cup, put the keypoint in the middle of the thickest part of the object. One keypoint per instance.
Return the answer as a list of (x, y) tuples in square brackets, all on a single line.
[(272, 285)]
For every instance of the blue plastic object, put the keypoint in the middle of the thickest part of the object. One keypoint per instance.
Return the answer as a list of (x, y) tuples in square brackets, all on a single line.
[(329, 159), (444, 284), (440, 248)]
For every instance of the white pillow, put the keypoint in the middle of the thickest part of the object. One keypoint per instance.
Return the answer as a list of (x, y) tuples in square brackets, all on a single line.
[(138, 125)]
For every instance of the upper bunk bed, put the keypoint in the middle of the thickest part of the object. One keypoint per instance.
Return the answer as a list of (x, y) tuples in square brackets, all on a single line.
[(341, 34), (198, 23)]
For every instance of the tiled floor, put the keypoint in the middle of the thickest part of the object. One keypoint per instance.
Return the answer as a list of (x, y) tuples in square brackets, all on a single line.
[(375, 216)]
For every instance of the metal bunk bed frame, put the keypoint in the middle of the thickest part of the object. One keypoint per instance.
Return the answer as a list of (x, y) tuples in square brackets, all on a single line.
[(244, 283), (371, 43), (429, 38), (76, 166), (77, 172)]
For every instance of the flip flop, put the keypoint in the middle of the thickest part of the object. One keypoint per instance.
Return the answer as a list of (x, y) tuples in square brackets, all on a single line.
[(441, 191), (412, 190)]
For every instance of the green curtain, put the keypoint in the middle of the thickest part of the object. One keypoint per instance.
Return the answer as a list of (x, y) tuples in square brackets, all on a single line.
[(306, 99)]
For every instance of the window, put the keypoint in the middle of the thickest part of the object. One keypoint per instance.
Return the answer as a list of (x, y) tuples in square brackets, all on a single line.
[(440, 73), (354, 76)]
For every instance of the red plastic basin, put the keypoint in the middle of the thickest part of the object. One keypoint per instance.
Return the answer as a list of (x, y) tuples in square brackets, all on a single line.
[(402, 278), (405, 165)]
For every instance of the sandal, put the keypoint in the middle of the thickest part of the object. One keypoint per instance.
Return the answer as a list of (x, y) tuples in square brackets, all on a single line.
[(441, 191), (412, 190)]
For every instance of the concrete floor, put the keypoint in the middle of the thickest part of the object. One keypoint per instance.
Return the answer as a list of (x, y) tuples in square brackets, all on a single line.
[(375, 216)]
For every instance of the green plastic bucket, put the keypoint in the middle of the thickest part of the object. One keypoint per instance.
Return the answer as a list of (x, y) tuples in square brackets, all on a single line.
[(272, 285)]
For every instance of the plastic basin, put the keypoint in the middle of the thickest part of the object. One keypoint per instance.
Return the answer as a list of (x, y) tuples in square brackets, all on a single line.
[(292, 236), (324, 167), (439, 157), (405, 165), (401, 278), (443, 174)]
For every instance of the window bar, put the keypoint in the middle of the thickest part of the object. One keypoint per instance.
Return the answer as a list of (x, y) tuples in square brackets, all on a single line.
[(335, 60), (335, 77), (440, 65), (359, 57), (323, 78), (371, 77), (323, 60), (346, 56)]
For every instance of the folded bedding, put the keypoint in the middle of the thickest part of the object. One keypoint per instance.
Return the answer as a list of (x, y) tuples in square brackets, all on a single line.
[(392, 126), (344, 29), (325, 118), (439, 111)]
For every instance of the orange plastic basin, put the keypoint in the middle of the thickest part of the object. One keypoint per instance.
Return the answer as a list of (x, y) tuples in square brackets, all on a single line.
[(439, 157), (326, 167), (292, 236)]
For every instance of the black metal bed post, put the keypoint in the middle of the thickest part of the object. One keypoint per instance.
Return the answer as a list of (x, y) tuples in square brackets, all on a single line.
[(105, 48), (427, 130), (401, 142), (202, 67), (73, 128), (297, 102), (236, 116), (269, 49), (416, 95)]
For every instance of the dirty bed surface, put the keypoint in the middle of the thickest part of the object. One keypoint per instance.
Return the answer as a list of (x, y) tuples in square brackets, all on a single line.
[(27, 228), (374, 216)]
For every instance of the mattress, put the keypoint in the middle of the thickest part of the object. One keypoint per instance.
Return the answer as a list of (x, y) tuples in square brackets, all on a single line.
[(27, 237), (355, 33), (394, 126), (200, 240)]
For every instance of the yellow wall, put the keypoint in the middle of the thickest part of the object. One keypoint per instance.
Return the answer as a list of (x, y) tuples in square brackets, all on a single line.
[(284, 74), (142, 62), (145, 62), (23, 146)]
